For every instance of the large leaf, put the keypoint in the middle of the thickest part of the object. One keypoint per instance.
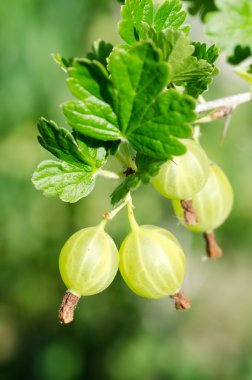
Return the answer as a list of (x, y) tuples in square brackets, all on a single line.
[(167, 118), (138, 16), (231, 25), (63, 145), (67, 181), (149, 116), (139, 75)]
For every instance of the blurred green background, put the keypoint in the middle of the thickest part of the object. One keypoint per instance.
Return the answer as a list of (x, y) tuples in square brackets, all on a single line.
[(116, 335)]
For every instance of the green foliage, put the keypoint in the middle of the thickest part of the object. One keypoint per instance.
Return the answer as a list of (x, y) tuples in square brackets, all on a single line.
[(192, 65), (125, 94), (200, 6), (100, 52), (67, 181), (130, 183), (231, 25), (197, 85), (240, 54), (139, 16), (146, 168), (63, 145)]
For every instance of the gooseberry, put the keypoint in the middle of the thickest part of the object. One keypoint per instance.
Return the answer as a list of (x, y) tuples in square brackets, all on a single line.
[(152, 263), (88, 261), (185, 175), (212, 204)]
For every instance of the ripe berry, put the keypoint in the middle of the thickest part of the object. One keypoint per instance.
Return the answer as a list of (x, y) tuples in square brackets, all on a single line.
[(152, 262), (89, 261), (185, 175), (212, 204)]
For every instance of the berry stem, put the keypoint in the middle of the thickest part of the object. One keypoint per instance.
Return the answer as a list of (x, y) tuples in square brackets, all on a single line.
[(67, 307), (182, 302), (212, 248), (131, 216), (110, 215), (190, 216), (108, 174)]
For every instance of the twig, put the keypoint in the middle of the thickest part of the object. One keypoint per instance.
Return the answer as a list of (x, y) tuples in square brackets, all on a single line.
[(228, 102)]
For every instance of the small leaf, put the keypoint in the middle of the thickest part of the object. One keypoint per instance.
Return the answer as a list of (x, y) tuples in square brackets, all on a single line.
[(208, 54), (201, 6), (135, 13), (93, 118), (179, 53), (139, 16), (62, 144), (240, 54), (129, 184), (67, 181), (100, 52), (169, 15)]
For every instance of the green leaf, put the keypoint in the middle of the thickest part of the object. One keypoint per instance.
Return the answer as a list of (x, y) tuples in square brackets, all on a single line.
[(63, 145), (100, 52), (231, 25), (138, 16), (146, 168), (67, 181), (129, 184), (196, 86), (169, 15), (179, 53), (139, 75), (167, 118), (240, 54), (93, 118), (202, 52), (135, 14), (149, 116), (200, 6), (91, 79), (92, 115)]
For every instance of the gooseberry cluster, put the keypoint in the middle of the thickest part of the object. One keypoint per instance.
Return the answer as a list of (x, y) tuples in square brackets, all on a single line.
[(139, 102), (150, 259)]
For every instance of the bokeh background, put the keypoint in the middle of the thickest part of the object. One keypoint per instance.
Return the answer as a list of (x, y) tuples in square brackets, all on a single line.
[(116, 335)]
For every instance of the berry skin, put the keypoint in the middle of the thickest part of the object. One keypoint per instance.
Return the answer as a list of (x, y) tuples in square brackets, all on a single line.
[(185, 175), (152, 263), (212, 204), (88, 261)]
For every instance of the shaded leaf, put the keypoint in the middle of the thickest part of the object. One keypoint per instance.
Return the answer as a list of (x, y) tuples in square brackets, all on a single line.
[(231, 25), (202, 7), (129, 184), (100, 52), (63, 145)]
